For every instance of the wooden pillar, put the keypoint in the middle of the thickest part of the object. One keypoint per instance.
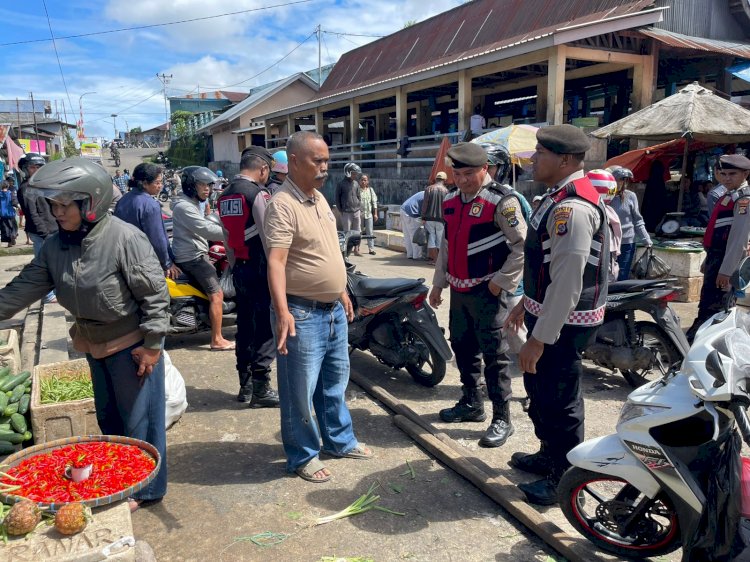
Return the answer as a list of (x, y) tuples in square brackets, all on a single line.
[(318, 121), (267, 132), (401, 117), (724, 78), (644, 82), (556, 85), (289, 125), (464, 101), (541, 100), (353, 121)]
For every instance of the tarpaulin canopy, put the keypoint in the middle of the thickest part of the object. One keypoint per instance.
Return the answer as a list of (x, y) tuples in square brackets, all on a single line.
[(640, 161), (439, 164), (519, 140)]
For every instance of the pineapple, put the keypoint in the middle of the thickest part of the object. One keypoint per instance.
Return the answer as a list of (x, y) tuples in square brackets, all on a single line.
[(22, 518), (72, 518)]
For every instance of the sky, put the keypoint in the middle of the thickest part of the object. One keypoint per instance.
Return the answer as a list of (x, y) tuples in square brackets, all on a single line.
[(218, 53)]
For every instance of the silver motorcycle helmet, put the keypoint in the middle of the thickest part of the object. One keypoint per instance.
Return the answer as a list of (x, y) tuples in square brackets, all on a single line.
[(740, 281)]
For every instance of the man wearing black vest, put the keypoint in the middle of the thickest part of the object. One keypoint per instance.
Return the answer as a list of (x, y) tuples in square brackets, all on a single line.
[(481, 259), (565, 289), (726, 237), (241, 208)]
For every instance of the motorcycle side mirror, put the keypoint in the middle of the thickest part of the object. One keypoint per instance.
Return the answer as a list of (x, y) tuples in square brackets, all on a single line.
[(740, 279), (715, 368)]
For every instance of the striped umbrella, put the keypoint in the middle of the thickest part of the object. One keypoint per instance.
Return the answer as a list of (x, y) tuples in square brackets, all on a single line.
[(520, 140)]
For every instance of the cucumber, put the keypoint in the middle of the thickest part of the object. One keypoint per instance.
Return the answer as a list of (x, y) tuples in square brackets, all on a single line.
[(27, 390), (5, 374), (23, 403), (5, 427), (4, 401), (17, 393), (26, 435), (11, 436), (11, 409), (6, 448), (14, 381), (4, 418), (18, 422)]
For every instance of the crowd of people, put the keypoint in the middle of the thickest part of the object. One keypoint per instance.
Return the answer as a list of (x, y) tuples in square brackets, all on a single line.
[(528, 281)]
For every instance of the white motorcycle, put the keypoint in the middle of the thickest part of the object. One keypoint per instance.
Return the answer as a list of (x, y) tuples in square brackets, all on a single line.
[(652, 486)]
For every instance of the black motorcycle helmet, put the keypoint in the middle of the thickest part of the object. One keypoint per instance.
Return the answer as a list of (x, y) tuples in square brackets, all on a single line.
[(498, 155), (31, 159), (192, 175)]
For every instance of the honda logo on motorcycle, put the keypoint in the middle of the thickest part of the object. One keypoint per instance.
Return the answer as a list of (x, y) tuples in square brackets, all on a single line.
[(652, 457)]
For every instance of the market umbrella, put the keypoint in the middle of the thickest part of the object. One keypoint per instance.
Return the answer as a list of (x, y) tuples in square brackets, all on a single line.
[(439, 164), (640, 161), (520, 140), (694, 113)]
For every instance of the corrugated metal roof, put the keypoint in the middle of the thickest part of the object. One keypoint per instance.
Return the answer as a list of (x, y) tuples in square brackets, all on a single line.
[(698, 43), (469, 30)]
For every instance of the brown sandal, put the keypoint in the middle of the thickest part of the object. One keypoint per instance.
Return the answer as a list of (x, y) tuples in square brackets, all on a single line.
[(307, 471)]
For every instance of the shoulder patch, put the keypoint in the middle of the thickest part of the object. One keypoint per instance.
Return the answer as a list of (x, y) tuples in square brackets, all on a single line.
[(510, 215), (561, 215), (742, 206)]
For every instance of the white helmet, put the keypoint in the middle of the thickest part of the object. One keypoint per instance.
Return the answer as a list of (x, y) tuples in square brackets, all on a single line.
[(352, 169)]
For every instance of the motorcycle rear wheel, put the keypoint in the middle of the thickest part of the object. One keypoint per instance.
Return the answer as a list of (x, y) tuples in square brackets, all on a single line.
[(595, 504), (665, 353), (427, 367)]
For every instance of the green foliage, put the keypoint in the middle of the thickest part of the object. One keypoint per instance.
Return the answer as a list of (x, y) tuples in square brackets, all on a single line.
[(190, 150), (409, 23), (179, 120), (69, 145), (135, 130)]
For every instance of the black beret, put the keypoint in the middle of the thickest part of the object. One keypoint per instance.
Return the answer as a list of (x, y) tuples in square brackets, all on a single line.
[(260, 152), (467, 155), (563, 139), (733, 162)]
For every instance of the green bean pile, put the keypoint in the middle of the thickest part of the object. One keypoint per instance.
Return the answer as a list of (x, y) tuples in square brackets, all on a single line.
[(65, 389)]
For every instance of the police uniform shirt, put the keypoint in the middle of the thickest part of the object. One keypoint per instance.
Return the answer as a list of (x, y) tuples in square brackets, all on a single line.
[(571, 225), (739, 234), (508, 218)]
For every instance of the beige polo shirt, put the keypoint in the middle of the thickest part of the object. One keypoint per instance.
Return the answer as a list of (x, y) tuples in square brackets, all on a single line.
[(307, 228)]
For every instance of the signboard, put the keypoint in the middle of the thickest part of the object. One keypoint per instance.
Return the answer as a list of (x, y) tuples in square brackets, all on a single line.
[(91, 150), (31, 145)]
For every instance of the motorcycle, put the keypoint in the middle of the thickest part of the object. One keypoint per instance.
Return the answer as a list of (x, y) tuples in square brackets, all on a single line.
[(645, 489), (639, 349), (166, 192), (394, 322), (188, 305)]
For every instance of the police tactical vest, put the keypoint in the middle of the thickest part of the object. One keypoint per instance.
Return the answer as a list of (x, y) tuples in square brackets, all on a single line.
[(589, 311), (236, 212), (477, 248), (717, 232)]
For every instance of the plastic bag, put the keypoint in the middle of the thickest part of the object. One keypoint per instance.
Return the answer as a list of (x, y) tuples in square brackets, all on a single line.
[(650, 266), (226, 283), (745, 506), (174, 391), (420, 236)]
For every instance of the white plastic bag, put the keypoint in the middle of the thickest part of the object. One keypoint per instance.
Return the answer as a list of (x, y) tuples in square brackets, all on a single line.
[(174, 390)]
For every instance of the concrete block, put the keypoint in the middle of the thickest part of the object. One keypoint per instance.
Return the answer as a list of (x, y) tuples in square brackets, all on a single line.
[(683, 264), (10, 353), (54, 338), (691, 288), (110, 524), (62, 419), (393, 220)]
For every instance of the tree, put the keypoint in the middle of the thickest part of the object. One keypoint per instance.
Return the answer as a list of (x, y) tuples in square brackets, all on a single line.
[(135, 130), (409, 23), (179, 120), (69, 145)]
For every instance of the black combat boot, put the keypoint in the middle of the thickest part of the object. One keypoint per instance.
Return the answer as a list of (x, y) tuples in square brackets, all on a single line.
[(245, 394), (536, 463), (500, 428), (469, 408), (544, 491), (264, 396)]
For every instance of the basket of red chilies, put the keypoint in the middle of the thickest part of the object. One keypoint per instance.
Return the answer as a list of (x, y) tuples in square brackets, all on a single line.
[(93, 470)]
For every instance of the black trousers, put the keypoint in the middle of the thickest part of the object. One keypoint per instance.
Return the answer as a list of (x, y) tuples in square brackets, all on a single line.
[(476, 320), (555, 398), (713, 299), (255, 349)]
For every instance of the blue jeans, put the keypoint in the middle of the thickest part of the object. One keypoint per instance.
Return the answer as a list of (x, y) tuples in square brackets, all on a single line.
[(133, 406), (37, 242), (625, 260), (313, 377)]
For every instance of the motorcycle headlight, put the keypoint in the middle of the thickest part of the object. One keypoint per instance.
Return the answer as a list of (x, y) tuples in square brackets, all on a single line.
[(631, 411)]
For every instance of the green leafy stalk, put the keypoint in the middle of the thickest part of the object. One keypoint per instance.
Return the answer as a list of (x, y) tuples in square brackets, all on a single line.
[(364, 503)]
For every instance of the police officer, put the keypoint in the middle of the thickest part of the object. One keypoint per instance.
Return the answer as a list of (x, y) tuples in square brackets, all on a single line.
[(565, 288), (481, 259), (242, 206), (726, 237)]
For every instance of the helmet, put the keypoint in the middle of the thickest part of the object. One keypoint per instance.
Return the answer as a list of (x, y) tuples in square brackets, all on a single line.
[(219, 173), (605, 184), (498, 155), (352, 168), (281, 162), (622, 174), (31, 159), (75, 179), (191, 175)]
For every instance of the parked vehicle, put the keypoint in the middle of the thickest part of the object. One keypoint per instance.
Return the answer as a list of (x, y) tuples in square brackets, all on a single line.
[(639, 349), (666, 475), (393, 321)]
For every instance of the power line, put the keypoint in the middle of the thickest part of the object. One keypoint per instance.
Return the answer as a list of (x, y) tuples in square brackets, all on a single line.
[(352, 34), (157, 92), (159, 24), (57, 55)]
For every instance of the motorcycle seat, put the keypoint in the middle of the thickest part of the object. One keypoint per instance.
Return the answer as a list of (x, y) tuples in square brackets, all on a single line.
[(227, 307), (635, 285), (182, 279), (372, 287)]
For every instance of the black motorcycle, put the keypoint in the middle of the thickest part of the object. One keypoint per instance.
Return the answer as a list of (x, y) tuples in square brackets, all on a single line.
[(639, 349), (394, 322)]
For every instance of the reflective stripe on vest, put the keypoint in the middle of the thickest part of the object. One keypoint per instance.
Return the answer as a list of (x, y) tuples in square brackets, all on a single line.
[(575, 318), (457, 283)]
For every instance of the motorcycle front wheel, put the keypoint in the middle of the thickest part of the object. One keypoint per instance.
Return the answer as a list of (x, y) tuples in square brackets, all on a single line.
[(425, 366), (598, 505), (163, 197), (665, 354)]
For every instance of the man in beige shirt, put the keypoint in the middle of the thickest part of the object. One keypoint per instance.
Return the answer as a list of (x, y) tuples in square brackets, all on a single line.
[(307, 278)]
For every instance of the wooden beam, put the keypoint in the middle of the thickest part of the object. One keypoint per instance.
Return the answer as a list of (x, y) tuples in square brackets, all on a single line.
[(464, 100), (353, 121), (319, 121), (376, 96), (431, 83), (556, 85), (644, 83), (542, 55), (598, 55), (541, 99)]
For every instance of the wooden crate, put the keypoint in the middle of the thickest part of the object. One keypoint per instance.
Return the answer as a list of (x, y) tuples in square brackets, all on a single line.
[(10, 351), (691, 289), (64, 419)]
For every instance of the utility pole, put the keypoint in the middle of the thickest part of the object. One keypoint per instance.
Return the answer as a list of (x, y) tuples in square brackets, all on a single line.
[(127, 131), (320, 74), (18, 116), (114, 124), (36, 130), (164, 79)]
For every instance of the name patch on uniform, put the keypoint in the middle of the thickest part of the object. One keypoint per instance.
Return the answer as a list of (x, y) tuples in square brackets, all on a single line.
[(561, 216), (536, 218), (726, 200), (742, 206), (510, 215), (476, 209), (231, 207)]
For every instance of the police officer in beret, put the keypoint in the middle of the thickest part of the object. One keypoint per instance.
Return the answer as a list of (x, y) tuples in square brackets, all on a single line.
[(481, 260), (565, 289), (726, 237)]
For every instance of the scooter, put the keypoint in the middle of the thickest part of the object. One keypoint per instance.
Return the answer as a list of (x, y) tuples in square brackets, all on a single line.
[(639, 349), (646, 489), (394, 322), (188, 306)]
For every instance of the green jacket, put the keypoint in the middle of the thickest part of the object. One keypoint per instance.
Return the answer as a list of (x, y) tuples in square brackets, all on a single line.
[(112, 283)]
